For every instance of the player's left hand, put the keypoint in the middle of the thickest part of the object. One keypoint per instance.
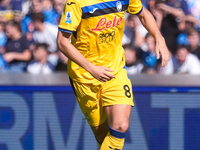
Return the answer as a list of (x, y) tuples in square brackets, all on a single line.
[(101, 73), (161, 49)]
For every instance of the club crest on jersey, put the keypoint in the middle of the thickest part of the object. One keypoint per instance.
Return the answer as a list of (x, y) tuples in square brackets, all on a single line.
[(68, 17), (119, 6)]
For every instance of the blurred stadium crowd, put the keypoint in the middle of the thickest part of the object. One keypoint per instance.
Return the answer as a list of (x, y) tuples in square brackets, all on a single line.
[(28, 31)]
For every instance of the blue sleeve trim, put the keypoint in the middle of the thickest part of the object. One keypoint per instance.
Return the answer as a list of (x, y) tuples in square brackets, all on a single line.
[(63, 30), (103, 5), (116, 133), (125, 67), (140, 11)]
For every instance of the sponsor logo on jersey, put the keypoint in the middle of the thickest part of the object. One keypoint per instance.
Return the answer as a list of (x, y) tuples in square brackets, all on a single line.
[(106, 37), (119, 6), (103, 23), (92, 11), (68, 17), (70, 3)]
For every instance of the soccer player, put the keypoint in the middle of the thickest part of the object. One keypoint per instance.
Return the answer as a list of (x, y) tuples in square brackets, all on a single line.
[(90, 34)]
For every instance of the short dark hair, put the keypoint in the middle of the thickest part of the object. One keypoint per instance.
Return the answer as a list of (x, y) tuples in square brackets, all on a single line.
[(182, 46), (42, 45), (148, 35), (130, 16), (14, 23), (191, 30), (38, 17), (129, 46)]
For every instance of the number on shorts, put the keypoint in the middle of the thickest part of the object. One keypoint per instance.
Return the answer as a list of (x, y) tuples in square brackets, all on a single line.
[(127, 91)]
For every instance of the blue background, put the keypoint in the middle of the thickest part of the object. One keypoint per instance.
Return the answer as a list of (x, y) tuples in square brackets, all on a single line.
[(155, 122)]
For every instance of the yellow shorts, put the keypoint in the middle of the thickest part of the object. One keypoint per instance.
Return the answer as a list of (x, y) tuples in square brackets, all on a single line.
[(92, 97)]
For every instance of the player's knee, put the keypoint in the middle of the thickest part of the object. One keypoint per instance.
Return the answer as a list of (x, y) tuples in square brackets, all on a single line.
[(122, 127)]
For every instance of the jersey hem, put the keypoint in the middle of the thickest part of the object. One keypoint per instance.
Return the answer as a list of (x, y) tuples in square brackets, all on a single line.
[(92, 79)]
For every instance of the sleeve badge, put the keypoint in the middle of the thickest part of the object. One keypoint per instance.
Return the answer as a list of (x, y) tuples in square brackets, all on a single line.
[(68, 18)]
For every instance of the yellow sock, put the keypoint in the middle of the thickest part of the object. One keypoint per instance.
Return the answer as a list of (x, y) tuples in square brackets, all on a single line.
[(114, 140)]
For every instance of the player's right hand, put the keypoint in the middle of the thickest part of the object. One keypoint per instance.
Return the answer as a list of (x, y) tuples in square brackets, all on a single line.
[(161, 49), (102, 73)]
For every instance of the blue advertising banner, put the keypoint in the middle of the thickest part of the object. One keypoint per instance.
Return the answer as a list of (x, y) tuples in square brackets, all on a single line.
[(48, 118)]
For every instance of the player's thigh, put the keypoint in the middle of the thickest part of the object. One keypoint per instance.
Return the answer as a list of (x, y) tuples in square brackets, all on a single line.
[(118, 116), (117, 98), (118, 90), (88, 97)]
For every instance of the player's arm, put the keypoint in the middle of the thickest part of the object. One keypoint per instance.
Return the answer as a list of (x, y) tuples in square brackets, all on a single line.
[(100, 73), (150, 24)]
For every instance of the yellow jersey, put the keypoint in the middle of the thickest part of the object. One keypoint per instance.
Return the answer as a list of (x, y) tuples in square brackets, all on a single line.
[(97, 27)]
